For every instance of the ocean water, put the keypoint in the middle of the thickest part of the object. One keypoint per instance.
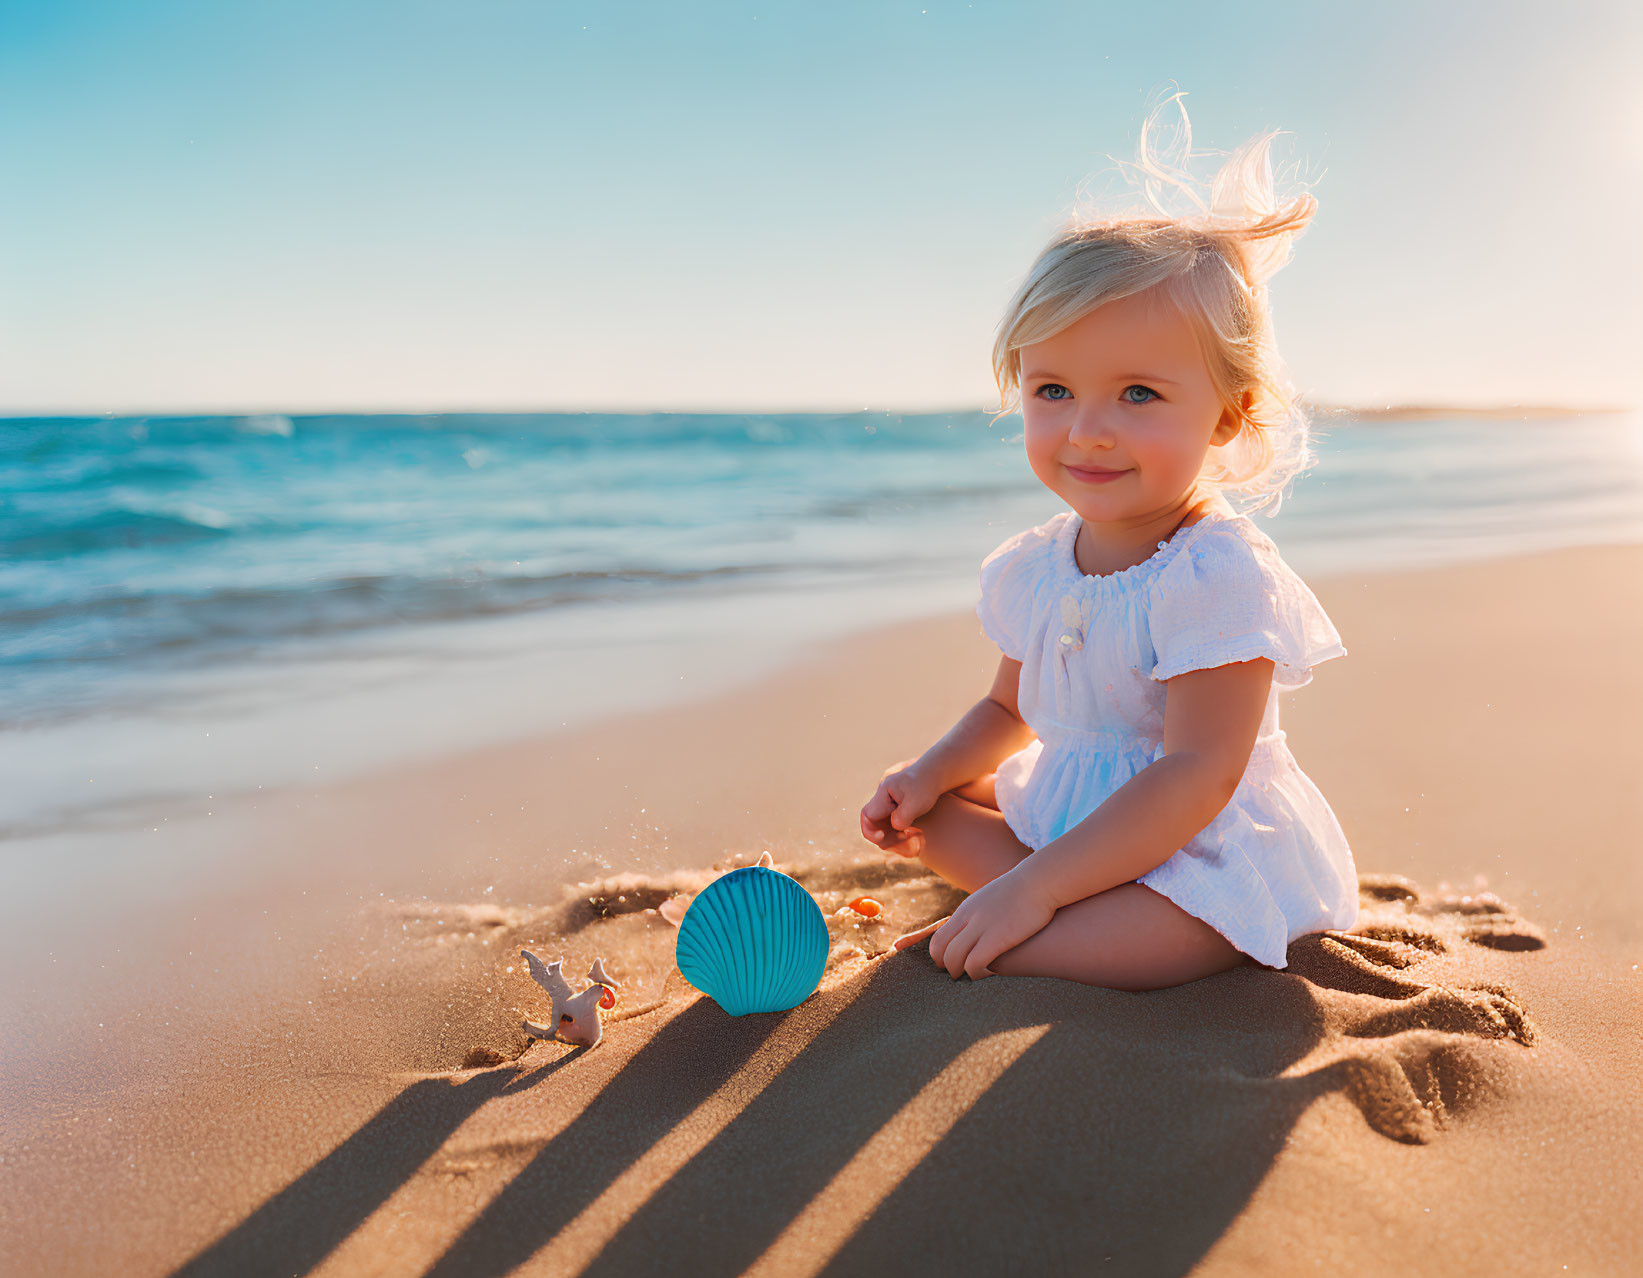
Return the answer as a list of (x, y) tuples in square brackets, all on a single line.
[(192, 608)]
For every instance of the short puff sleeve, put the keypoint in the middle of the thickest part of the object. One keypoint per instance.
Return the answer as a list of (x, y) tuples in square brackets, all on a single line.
[(1230, 597), (1009, 577)]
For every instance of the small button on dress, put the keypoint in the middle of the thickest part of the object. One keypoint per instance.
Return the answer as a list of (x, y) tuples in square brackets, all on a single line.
[(1096, 652)]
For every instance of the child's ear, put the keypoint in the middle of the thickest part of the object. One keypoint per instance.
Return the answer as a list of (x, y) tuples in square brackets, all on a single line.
[(1228, 427)]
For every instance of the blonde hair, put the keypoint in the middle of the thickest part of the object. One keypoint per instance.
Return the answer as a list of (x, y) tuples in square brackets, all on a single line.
[(1212, 259)]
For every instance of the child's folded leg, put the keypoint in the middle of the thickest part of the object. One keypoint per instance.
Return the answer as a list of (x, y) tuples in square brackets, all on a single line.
[(968, 844), (981, 790), (1126, 938)]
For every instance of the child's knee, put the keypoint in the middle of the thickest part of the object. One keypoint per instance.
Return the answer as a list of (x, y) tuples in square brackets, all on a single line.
[(982, 790)]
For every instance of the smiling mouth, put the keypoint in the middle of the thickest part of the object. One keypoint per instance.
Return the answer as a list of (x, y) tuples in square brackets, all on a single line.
[(1094, 473)]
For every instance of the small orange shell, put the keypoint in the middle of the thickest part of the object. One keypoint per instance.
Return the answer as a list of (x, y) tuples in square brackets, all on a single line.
[(608, 998), (866, 905)]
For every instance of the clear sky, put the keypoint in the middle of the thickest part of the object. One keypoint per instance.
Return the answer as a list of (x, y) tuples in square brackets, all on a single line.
[(547, 204)]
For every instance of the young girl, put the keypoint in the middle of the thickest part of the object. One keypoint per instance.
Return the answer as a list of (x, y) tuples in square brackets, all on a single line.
[(1122, 807)]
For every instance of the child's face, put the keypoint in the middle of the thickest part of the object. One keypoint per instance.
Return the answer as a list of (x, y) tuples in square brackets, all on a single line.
[(1123, 389)]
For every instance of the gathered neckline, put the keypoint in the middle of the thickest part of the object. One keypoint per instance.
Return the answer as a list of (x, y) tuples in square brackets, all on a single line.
[(1067, 559)]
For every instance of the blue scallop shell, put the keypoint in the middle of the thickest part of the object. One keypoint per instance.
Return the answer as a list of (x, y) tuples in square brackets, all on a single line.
[(754, 941)]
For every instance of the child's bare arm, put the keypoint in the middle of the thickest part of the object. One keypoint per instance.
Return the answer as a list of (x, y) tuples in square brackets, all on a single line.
[(989, 732), (1211, 719)]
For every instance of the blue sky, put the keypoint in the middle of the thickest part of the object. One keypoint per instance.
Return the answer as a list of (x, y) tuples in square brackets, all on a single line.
[(538, 204)]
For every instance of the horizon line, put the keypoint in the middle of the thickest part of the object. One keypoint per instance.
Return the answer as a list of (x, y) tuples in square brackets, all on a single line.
[(1390, 409)]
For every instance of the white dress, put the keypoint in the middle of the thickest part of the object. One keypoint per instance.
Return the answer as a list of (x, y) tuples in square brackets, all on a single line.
[(1274, 864)]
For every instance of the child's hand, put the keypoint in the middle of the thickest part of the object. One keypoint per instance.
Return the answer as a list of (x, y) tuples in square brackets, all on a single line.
[(997, 916), (902, 798)]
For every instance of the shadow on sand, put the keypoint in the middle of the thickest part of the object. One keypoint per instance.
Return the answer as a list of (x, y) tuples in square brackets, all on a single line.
[(1125, 1108)]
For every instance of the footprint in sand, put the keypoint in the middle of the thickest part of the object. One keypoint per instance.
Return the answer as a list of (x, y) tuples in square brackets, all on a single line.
[(1414, 1053)]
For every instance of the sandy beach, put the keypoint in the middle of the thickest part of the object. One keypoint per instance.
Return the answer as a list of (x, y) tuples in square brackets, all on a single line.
[(311, 1059)]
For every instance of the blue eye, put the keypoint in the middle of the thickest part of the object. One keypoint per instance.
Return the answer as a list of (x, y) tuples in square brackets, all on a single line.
[(1139, 387), (1050, 386)]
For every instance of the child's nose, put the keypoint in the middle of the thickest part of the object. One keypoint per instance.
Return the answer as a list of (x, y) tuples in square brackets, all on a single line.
[(1091, 427)]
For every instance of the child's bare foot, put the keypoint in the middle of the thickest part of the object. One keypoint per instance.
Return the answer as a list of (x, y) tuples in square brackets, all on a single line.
[(911, 938)]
